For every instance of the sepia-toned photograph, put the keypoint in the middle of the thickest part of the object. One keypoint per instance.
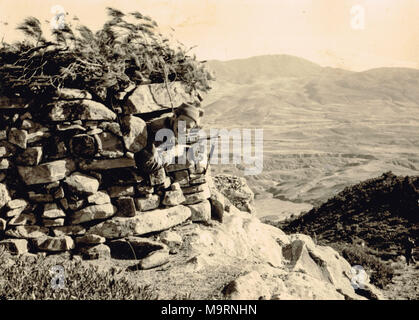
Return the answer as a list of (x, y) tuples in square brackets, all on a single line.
[(226, 151)]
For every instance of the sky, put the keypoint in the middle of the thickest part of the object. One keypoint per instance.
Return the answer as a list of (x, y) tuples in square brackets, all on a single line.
[(350, 34)]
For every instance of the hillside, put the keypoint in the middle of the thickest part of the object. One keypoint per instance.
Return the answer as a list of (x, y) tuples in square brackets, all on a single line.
[(382, 212)]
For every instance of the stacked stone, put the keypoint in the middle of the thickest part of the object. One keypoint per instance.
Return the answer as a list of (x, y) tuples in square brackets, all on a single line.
[(68, 179)]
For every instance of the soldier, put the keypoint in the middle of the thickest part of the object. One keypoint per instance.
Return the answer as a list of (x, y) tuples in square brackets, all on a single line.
[(148, 159), (409, 246)]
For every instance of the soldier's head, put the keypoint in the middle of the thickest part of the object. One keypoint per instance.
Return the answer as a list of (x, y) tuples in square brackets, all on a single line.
[(190, 114)]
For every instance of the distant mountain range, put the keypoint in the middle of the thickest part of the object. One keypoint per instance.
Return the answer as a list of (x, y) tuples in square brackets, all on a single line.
[(324, 128)]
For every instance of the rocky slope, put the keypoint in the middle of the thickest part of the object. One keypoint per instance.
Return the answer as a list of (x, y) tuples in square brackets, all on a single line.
[(238, 258)]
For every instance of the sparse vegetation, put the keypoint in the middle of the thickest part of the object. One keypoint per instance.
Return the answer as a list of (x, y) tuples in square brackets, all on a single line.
[(29, 278), (380, 212), (380, 273)]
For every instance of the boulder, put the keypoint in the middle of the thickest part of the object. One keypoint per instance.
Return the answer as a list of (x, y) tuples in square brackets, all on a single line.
[(53, 244), (83, 145), (69, 231), (51, 211), (15, 246), (154, 259), (79, 110), (53, 222), (46, 172), (106, 164), (320, 262), (100, 251), (197, 197), (126, 207), (134, 132), (247, 287), (158, 177), (30, 157), (142, 223), (90, 239), (18, 137), (109, 145), (40, 197), (173, 198), (23, 219), (4, 195), (94, 212), (100, 197), (4, 164), (121, 191), (17, 203), (171, 238), (201, 212), (147, 203), (236, 190), (134, 247), (181, 177), (82, 183)]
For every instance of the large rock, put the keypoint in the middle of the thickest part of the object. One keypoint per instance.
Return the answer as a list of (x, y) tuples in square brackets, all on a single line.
[(154, 97), (82, 183), (109, 145), (100, 251), (126, 207), (106, 164), (247, 287), (69, 231), (142, 223), (18, 137), (121, 191), (90, 239), (27, 232), (53, 244), (100, 197), (173, 198), (51, 211), (15, 246), (154, 259), (134, 132), (79, 110), (320, 262), (197, 197), (83, 145), (201, 212), (46, 172), (134, 247), (147, 203), (94, 212), (17, 203), (23, 219), (4, 195), (237, 191)]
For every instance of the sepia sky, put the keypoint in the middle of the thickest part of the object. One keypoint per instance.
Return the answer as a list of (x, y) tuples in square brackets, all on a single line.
[(318, 30)]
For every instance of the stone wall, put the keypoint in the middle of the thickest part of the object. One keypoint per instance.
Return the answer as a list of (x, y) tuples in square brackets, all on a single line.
[(68, 180)]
